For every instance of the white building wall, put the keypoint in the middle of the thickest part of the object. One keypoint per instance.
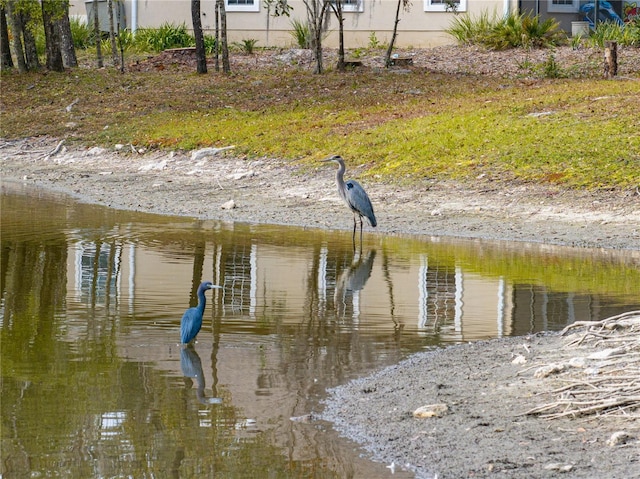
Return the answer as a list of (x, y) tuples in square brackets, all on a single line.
[(417, 27)]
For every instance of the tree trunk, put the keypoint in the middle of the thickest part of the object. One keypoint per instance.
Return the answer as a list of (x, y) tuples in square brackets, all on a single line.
[(226, 67), (316, 15), (336, 6), (52, 37), (610, 59), (5, 49), (119, 28), (97, 34), (30, 49), (16, 27), (217, 45), (340, 36), (387, 58), (112, 34), (317, 50), (201, 56), (67, 49)]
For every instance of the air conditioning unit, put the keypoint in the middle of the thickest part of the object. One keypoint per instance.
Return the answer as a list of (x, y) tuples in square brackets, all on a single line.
[(119, 14)]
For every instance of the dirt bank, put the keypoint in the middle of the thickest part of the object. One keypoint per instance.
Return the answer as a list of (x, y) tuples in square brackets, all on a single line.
[(483, 433)]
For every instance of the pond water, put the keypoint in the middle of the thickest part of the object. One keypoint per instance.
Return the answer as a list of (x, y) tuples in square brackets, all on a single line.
[(95, 384)]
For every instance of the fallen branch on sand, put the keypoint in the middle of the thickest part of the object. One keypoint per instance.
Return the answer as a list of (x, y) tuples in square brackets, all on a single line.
[(605, 379)]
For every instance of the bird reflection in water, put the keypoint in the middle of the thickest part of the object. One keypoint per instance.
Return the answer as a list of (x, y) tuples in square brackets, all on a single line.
[(192, 368), (353, 280)]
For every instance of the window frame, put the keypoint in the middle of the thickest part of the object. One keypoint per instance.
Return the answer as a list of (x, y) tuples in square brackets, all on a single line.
[(441, 6), (563, 8), (255, 7), (358, 7)]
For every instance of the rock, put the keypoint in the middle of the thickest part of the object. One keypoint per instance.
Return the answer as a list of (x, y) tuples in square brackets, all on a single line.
[(96, 150), (557, 466), (578, 362), (548, 370), (519, 359), (619, 438), (431, 410), (229, 205), (198, 155), (242, 174), (159, 165)]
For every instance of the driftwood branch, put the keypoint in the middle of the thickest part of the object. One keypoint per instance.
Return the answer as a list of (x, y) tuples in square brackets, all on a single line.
[(605, 380)]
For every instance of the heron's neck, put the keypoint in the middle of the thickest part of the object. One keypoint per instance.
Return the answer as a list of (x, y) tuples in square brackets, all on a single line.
[(202, 300), (340, 179)]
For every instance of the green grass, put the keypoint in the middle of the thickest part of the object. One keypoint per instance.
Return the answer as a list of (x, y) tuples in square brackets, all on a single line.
[(572, 132)]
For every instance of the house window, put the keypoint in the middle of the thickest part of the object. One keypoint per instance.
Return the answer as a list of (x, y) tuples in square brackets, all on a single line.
[(445, 5), (352, 5), (563, 6), (242, 5)]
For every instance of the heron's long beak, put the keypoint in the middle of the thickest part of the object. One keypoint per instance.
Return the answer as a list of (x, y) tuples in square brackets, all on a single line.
[(215, 286)]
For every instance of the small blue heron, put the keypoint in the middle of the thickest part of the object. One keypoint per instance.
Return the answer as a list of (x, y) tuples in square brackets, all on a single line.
[(354, 196), (192, 317)]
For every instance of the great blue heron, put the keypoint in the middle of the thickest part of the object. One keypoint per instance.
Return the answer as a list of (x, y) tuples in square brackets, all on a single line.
[(354, 196), (192, 317)]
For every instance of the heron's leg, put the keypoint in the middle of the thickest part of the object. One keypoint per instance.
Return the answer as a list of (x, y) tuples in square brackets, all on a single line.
[(354, 232), (354, 227), (361, 233)]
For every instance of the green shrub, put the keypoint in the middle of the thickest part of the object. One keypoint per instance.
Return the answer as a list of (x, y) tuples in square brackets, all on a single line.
[(209, 44), (625, 35), (374, 43), (468, 30), (166, 36), (301, 33), (511, 31), (551, 69), (81, 34), (633, 32), (246, 46), (126, 39)]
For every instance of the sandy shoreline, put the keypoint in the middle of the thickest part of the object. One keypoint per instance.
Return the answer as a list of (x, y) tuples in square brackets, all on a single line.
[(476, 439), (271, 191)]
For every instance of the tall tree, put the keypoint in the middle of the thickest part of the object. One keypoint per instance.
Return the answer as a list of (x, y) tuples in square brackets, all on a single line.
[(112, 34), (24, 42), (97, 34), (224, 44), (5, 49), (316, 15), (338, 11), (28, 10), (216, 48), (201, 56), (16, 29), (67, 49), (50, 16), (406, 5)]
